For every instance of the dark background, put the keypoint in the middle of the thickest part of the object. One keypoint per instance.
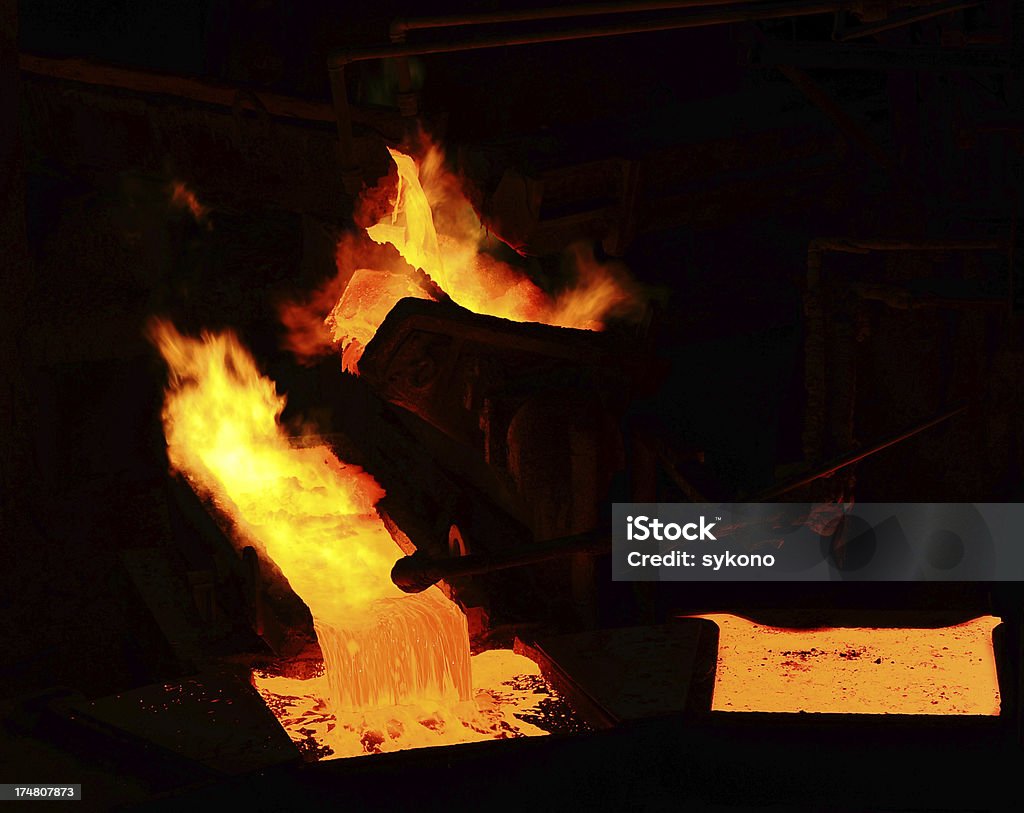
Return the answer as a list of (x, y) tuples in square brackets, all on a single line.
[(739, 168)]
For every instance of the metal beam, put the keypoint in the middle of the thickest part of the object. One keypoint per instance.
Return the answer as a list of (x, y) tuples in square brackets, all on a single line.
[(399, 28), (905, 18), (839, 56), (849, 459), (739, 13)]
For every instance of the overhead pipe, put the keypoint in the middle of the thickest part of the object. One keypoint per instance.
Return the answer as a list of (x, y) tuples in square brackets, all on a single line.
[(149, 83), (904, 19), (734, 13), (407, 98), (725, 15), (840, 463), (399, 28), (856, 245)]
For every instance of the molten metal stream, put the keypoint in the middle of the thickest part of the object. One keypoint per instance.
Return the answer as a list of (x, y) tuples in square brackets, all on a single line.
[(397, 667)]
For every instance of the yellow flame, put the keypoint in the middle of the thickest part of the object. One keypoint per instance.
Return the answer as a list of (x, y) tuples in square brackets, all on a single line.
[(410, 226), (436, 230), (314, 517), (428, 225), (394, 663)]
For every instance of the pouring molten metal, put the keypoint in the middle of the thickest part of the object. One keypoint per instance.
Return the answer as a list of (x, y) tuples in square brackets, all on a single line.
[(397, 667)]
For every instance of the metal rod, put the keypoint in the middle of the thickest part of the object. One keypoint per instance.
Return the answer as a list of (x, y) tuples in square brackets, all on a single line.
[(184, 87), (416, 573), (747, 12), (204, 91), (350, 174), (846, 124), (906, 18), (851, 130), (853, 457), (871, 57), (903, 299), (400, 27), (728, 14), (856, 245)]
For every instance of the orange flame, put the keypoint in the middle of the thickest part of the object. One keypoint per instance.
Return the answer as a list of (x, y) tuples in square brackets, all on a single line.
[(436, 231), (313, 515), (185, 198)]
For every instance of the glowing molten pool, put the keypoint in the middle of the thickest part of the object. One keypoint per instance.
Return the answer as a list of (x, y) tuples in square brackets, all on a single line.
[(509, 696), (850, 670), (397, 667)]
